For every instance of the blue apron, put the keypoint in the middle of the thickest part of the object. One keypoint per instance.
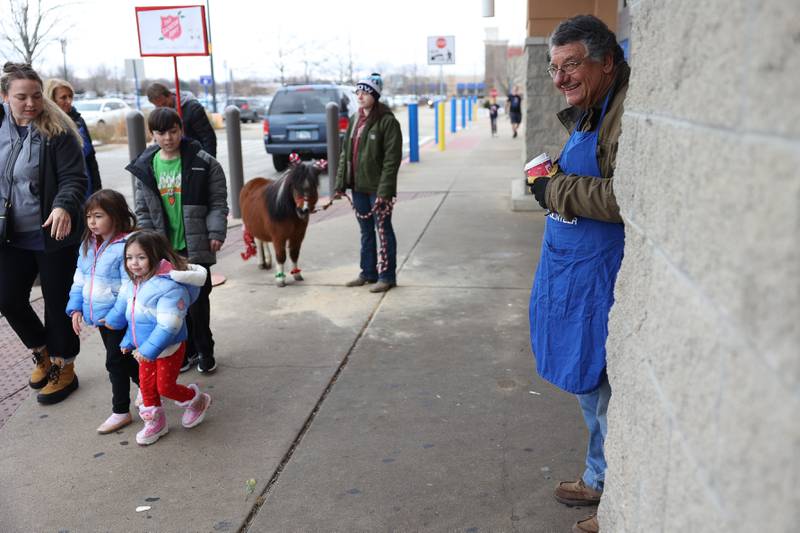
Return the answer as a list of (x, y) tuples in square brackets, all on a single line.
[(573, 290)]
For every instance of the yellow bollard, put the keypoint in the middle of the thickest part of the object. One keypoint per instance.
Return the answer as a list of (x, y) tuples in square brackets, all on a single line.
[(441, 125)]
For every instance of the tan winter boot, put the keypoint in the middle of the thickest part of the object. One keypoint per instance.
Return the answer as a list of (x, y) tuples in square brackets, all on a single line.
[(61, 382), (41, 361)]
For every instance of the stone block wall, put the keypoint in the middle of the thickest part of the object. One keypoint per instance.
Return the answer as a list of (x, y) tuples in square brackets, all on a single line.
[(704, 345)]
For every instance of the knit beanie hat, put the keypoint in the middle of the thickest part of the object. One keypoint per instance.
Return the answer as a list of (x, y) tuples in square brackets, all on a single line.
[(373, 84)]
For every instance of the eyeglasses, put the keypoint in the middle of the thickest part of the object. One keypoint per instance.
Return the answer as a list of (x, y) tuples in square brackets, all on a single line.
[(567, 68)]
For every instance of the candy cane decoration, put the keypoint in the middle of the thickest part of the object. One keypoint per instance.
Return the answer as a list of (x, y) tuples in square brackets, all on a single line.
[(249, 243)]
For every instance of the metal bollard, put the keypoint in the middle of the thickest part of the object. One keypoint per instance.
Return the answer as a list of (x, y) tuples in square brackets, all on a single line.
[(441, 125), (332, 136), (137, 142), (469, 109), (233, 130), (436, 122), (453, 103), (463, 112), (413, 133)]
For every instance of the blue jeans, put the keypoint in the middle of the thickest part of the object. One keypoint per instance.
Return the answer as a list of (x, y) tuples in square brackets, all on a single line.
[(594, 406), (363, 202)]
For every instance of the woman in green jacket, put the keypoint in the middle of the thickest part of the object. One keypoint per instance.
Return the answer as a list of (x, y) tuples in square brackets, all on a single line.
[(368, 164)]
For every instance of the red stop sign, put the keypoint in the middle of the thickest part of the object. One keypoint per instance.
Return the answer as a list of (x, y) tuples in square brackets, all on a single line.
[(441, 42)]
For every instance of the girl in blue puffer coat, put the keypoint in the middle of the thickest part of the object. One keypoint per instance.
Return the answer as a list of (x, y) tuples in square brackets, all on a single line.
[(95, 286), (153, 304)]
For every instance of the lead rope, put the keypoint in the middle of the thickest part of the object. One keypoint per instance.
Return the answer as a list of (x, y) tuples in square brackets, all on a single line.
[(381, 210)]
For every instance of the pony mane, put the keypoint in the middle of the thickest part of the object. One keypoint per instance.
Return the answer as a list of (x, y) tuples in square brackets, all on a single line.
[(279, 193)]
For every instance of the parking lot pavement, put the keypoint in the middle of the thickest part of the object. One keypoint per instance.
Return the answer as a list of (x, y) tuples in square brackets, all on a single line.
[(113, 158), (334, 408)]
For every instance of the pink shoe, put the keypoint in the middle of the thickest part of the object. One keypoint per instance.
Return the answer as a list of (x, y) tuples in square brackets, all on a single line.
[(195, 408), (155, 425)]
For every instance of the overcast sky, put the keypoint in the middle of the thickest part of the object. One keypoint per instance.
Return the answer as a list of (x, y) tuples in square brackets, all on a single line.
[(246, 34)]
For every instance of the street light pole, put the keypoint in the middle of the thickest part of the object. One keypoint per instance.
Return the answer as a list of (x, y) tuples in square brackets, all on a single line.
[(211, 60), (64, 54)]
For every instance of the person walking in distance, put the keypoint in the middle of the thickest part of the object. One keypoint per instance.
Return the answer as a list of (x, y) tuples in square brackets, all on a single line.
[(514, 109), (493, 112)]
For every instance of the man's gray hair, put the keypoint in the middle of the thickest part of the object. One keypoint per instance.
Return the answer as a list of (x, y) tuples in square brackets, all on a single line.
[(593, 33)]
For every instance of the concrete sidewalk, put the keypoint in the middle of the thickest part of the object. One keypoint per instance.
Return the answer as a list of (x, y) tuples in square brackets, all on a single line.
[(417, 410)]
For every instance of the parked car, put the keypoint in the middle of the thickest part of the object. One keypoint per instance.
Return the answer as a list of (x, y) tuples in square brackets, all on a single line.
[(103, 116), (296, 121), (250, 109)]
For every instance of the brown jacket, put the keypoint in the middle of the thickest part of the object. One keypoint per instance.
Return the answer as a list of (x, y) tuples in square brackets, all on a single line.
[(571, 195)]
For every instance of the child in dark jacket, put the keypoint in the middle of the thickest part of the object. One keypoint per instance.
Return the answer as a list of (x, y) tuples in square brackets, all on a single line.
[(95, 286), (153, 304), (493, 112), (181, 192)]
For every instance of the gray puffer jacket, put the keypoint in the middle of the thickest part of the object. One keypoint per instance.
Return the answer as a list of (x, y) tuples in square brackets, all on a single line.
[(204, 194)]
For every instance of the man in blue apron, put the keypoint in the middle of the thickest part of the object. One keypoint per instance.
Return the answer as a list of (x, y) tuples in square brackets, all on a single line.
[(583, 240)]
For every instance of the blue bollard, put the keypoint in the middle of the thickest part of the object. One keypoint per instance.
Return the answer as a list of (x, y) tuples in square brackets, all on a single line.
[(469, 109), (413, 134), (463, 112), (436, 122), (453, 103)]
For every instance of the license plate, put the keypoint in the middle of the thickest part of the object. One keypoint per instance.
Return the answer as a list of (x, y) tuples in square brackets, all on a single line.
[(303, 135)]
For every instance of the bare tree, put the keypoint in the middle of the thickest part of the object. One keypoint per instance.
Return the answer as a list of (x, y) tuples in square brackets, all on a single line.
[(27, 27), (285, 53), (515, 72)]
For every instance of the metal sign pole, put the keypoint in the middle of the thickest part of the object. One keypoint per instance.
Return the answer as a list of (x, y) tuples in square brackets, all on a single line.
[(177, 88), (136, 85)]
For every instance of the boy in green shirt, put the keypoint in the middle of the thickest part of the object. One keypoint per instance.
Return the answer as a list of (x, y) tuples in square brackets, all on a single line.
[(182, 192)]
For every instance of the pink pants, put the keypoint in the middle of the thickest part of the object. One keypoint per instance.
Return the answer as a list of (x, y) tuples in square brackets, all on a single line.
[(160, 378)]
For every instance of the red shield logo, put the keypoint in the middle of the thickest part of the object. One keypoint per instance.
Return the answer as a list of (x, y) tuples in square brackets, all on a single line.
[(171, 200), (171, 27)]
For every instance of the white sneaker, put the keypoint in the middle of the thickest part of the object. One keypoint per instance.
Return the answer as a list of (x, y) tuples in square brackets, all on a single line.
[(114, 422)]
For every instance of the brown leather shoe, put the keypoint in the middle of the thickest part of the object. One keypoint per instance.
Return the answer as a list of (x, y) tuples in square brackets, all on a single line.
[(576, 493), (358, 282), (382, 286), (587, 525)]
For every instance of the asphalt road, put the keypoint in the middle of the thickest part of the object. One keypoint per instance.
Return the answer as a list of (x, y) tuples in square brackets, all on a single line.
[(113, 158)]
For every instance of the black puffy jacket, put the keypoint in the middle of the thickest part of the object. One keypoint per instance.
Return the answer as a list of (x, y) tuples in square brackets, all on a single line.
[(196, 125)]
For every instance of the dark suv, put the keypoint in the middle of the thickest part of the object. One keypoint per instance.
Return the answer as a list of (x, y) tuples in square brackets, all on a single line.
[(296, 120), (250, 109)]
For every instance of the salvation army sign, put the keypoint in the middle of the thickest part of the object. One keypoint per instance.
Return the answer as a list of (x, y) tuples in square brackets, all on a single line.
[(172, 31)]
